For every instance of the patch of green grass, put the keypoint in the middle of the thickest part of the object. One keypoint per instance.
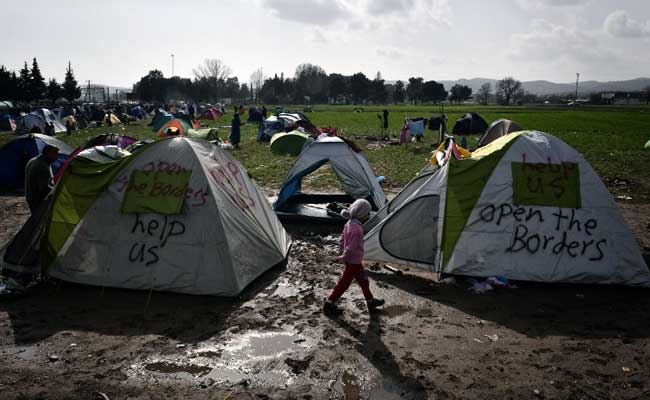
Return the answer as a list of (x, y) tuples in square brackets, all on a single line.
[(610, 138)]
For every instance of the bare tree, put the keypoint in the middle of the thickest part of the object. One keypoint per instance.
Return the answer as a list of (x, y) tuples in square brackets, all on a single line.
[(213, 68), (257, 80), (483, 93), (508, 89)]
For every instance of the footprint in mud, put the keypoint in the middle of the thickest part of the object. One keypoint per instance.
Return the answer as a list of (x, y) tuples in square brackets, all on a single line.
[(171, 368)]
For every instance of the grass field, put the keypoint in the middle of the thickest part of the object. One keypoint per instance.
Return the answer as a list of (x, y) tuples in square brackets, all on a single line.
[(610, 138)]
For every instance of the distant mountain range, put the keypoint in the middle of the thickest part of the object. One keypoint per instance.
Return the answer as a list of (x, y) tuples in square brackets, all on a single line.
[(546, 87)]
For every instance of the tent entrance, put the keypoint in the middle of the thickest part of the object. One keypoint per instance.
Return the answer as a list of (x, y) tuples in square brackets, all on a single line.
[(313, 205), (412, 233)]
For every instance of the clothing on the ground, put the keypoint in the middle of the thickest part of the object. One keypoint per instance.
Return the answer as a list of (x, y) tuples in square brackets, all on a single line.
[(38, 181), (351, 272), (351, 244)]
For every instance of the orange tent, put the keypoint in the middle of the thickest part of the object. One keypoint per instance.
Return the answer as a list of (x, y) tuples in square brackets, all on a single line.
[(174, 127)]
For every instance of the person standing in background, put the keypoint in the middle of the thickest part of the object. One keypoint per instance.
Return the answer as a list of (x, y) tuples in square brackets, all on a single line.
[(39, 180)]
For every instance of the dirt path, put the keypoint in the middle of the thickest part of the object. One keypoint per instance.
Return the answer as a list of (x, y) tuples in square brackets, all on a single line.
[(431, 341)]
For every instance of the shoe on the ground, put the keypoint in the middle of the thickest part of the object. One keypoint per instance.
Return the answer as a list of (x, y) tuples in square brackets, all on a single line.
[(375, 303), (330, 308)]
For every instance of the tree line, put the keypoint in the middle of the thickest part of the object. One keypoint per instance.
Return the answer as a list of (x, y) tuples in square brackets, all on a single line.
[(213, 81), (28, 86)]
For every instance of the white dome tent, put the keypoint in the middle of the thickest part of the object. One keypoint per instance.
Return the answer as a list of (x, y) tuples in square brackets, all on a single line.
[(527, 206), (178, 215)]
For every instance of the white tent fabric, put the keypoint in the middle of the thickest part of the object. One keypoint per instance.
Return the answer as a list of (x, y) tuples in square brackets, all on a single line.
[(102, 154), (352, 169), (589, 244), (39, 119), (498, 128), (225, 237), (416, 183)]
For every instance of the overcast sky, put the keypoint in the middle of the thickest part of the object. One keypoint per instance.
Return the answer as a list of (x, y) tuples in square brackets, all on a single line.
[(116, 42)]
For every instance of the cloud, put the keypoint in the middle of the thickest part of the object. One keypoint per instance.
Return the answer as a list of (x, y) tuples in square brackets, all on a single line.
[(548, 42), (313, 12), (383, 7), (316, 35), (368, 15), (391, 52), (394, 13), (551, 3), (620, 24)]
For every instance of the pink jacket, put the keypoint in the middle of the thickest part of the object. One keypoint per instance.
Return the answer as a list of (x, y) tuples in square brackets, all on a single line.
[(351, 244)]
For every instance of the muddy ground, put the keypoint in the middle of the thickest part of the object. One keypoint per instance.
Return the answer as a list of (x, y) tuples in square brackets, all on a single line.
[(432, 341)]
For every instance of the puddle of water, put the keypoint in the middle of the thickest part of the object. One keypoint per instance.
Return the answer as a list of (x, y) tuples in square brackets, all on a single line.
[(257, 357), (24, 352), (285, 290), (270, 378), (260, 345), (176, 369)]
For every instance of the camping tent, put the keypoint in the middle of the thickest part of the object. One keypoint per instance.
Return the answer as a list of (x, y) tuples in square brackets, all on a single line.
[(108, 139), (255, 115), (160, 119), (527, 206), (352, 169), (281, 122), (138, 112), (211, 113), (174, 127), (470, 124), (98, 115), (15, 154), (410, 188), (7, 123), (288, 143), (498, 128), (38, 119), (179, 215), (111, 119)]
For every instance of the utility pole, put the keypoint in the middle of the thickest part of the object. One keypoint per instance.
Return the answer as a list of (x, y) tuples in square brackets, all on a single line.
[(172, 65), (577, 79)]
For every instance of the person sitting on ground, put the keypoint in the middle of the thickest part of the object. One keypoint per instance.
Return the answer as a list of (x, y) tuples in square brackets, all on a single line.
[(235, 130), (351, 247), (38, 177)]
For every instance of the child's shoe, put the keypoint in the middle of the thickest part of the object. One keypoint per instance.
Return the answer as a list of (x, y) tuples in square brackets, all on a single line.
[(374, 304)]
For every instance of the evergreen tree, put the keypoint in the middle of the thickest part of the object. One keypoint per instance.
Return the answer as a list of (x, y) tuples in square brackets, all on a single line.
[(37, 87), (5, 83), (54, 90), (14, 91), (71, 90), (23, 84)]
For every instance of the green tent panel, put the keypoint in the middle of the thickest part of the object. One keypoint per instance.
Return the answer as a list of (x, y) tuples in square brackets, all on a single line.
[(527, 206), (290, 143)]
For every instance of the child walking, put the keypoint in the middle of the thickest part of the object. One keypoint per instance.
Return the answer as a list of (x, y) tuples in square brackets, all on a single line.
[(351, 248)]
